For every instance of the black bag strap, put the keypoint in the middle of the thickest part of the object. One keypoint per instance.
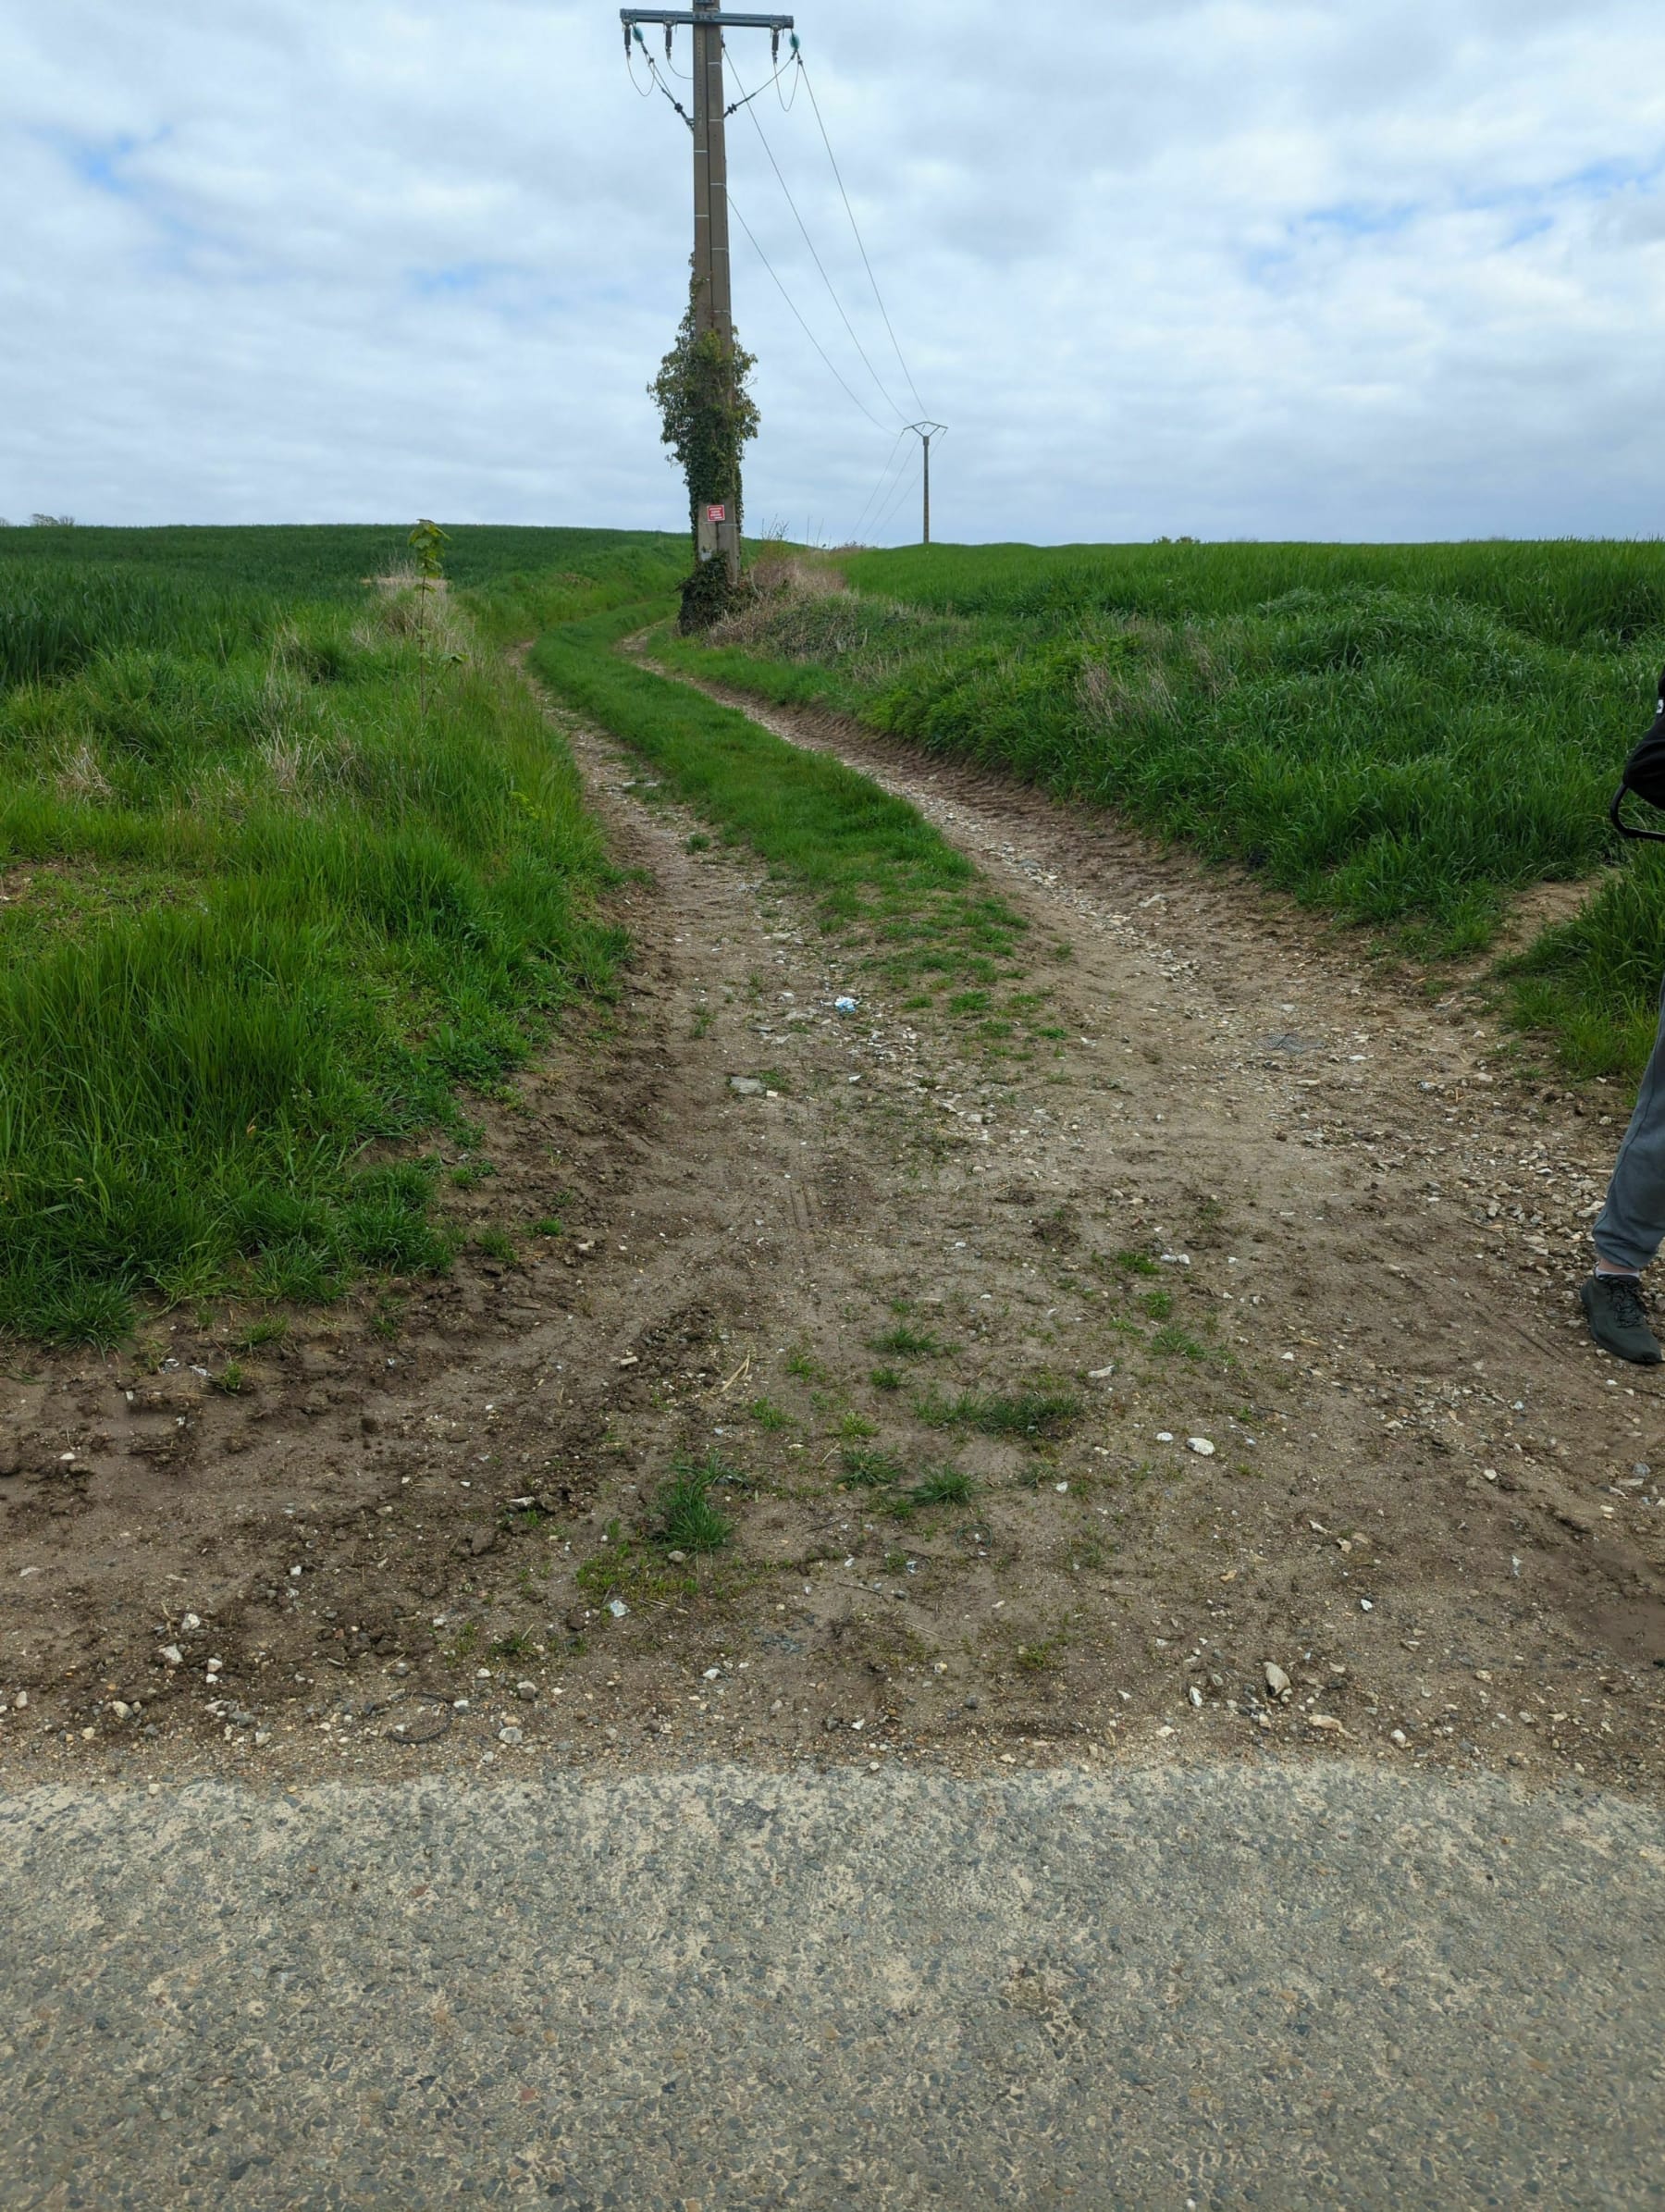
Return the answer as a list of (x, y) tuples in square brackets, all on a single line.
[(1627, 829), (1644, 774)]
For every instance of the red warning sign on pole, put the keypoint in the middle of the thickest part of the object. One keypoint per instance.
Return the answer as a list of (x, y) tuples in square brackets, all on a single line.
[(716, 514)]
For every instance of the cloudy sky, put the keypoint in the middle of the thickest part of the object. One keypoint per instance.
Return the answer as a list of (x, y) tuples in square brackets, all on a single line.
[(1353, 269)]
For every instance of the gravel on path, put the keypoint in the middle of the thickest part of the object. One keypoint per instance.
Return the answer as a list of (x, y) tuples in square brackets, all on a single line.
[(1212, 1986)]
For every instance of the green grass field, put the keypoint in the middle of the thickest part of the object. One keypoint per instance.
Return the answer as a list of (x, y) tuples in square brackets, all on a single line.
[(1402, 737), (276, 880)]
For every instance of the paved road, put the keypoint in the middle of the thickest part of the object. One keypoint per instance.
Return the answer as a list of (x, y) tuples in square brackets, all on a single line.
[(1323, 1987)]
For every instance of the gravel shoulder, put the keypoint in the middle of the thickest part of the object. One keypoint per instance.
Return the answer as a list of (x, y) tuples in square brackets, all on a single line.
[(1247, 1194)]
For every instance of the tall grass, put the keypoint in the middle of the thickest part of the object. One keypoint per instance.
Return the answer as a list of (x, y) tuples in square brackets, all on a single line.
[(262, 917)]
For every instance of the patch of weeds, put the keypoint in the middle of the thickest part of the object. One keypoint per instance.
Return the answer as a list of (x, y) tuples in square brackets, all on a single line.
[(387, 1317), (229, 1379), (970, 1002), (1044, 1657), (1173, 1339), (297, 1273), (908, 1343), (496, 1244), (517, 1646), (698, 842), (1137, 1263), (943, 1486), (896, 1563), (611, 1570), (852, 1427), (702, 1022), (465, 1645), (803, 1364), (768, 1414), (1086, 1556), (472, 1173), (271, 1329), (1159, 1304), (1036, 1413), (688, 1521), (550, 1226), (885, 1379), (772, 1080), (871, 1471)]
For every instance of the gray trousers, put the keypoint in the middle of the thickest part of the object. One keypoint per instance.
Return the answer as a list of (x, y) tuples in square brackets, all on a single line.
[(1632, 1226)]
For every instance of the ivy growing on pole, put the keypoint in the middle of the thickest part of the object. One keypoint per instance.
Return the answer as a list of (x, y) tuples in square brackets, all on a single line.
[(707, 417)]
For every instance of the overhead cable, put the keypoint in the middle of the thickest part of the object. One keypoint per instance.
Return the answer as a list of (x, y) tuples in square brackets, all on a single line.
[(653, 72), (791, 302), (735, 106), (817, 259), (890, 463), (904, 483), (645, 90), (866, 263)]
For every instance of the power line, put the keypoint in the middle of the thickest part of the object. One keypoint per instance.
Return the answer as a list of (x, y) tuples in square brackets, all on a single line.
[(890, 463), (780, 287), (866, 263), (814, 255), (734, 211), (903, 483)]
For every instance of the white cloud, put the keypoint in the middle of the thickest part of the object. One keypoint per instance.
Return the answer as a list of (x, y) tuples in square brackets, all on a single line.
[(1368, 267)]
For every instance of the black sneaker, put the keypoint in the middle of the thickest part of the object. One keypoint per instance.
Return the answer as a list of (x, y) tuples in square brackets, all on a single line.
[(1618, 1318)]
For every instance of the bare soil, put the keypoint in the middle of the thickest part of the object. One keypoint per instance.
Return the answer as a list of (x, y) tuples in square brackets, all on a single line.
[(1428, 1503)]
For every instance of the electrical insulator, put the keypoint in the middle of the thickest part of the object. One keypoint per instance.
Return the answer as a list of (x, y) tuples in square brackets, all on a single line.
[(667, 42), (795, 42), (774, 46)]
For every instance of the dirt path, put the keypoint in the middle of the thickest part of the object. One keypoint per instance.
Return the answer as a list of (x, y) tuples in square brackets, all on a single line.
[(1427, 1503)]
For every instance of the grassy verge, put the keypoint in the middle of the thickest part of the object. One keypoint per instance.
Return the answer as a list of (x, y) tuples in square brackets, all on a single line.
[(872, 862), (1402, 737), (261, 914)]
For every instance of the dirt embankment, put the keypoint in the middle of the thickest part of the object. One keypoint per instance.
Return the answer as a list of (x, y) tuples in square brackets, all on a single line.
[(1299, 1244)]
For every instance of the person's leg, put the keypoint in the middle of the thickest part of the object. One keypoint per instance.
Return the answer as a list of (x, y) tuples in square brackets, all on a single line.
[(1632, 1225)]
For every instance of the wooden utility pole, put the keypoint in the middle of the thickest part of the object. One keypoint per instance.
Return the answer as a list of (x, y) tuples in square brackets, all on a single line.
[(717, 527), (925, 432)]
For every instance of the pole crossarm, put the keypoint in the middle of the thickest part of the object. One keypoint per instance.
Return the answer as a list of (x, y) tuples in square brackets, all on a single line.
[(630, 16)]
